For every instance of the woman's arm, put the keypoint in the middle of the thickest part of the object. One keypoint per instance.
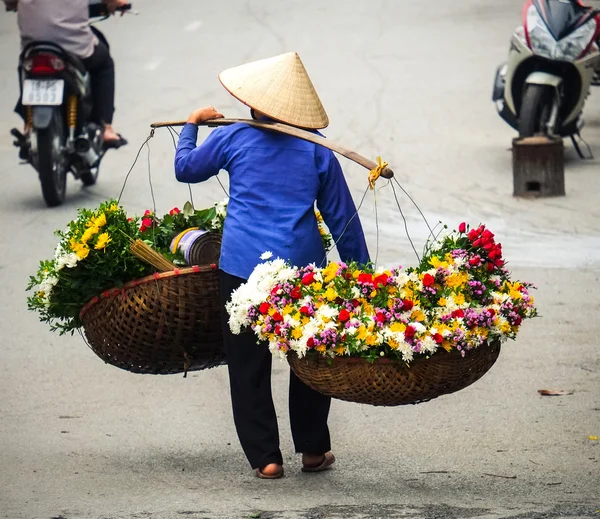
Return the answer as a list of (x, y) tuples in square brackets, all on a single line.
[(196, 164)]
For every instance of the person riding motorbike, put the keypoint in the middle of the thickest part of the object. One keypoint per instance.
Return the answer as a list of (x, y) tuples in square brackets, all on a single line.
[(67, 24)]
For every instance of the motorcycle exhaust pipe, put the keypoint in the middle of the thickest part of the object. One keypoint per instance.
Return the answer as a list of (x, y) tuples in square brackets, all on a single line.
[(84, 149)]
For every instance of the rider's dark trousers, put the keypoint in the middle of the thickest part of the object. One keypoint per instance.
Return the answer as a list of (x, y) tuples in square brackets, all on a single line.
[(254, 415), (102, 75)]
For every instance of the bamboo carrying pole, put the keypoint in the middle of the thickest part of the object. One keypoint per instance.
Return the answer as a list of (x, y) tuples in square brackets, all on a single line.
[(295, 132)]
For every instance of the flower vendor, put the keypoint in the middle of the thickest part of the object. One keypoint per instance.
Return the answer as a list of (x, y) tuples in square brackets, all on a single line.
[(274, 181)]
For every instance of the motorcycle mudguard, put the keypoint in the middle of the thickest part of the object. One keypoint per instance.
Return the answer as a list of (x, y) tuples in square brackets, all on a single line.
[(42, 115), (499, 83), (543, 78)]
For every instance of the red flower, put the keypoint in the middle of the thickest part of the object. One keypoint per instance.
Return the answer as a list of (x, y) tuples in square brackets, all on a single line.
[(477, 242), (381, 280), (407, 305), (457, 314), (474, 234), (277, 317), (308, 278), (462, 227), (355, 303), (492, 312), (438, 338), (489, 267), (147, 212), (174, 211), (380, 317), (365, 278), (344, 315), (310, 342), (499, 263), (264, 308), (409, 333), (296, 293), (474, 261), (146, 224), (277, 330), (304, 310), (428, 280)]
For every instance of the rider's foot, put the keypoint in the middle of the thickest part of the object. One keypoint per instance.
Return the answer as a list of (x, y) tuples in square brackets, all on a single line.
[(110, 134), (112, 139)]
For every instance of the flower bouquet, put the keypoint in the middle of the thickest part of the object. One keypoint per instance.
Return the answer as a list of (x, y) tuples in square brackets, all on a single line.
[(133, 317), (389, 337)]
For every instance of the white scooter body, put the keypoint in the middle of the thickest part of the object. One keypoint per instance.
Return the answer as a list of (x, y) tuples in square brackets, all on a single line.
[(566, 82)]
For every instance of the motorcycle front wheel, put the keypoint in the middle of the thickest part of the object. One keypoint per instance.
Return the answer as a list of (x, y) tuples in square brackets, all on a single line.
[(535, 110), (50, 161)]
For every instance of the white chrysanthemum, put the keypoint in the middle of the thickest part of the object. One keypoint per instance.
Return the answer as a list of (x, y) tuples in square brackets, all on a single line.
[(326, 311), (428, 345), (263, 279), (355, 292), (266, 255), (221, 207)]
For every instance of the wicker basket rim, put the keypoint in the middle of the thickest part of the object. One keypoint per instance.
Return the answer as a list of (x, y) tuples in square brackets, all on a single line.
[(346, 359), (195, 269)]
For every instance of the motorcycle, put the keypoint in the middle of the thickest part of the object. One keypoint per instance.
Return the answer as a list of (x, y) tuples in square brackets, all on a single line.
[(56, 105), (551, 66)]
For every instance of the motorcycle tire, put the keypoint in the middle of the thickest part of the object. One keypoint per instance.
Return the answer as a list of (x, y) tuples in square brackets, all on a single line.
[(50, 161), (535, 110)]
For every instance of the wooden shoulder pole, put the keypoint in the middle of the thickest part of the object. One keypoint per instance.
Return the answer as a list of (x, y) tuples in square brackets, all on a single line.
[(293, 131)]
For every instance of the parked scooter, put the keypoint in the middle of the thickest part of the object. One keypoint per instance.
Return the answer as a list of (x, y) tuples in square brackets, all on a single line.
[(57, 104), (551, 66)]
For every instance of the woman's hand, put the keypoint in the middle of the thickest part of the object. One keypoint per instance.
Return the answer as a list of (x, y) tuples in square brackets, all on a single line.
[(204, 114)]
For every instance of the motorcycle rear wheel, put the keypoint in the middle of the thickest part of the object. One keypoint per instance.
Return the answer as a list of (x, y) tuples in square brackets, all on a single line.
[(51, 162), (535, 110)]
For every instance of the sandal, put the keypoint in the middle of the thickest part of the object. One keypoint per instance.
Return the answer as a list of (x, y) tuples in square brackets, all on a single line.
[(324, 464), (115, 143), (278, 475)]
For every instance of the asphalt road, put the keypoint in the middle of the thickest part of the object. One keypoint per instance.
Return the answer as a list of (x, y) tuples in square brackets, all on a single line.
[(410, 81)]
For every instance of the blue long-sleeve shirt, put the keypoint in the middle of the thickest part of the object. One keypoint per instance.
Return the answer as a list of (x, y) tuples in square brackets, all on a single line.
[(274, 181)]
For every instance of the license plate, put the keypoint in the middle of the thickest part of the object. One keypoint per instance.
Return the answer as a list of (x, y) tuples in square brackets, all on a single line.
[(47, 92)]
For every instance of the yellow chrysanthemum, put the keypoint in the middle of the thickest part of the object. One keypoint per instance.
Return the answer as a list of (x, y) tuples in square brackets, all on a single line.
[(113, 207), (371, 339), (418, 316), (82, 251), (340, 350), (101, 220), (297, 333), (317, 286), (330, 271), (442, 301), (88, 234), (459, 299), (330, 294), (103, 240), (362, 333), (321, 348), (457, 279), (397, 327)]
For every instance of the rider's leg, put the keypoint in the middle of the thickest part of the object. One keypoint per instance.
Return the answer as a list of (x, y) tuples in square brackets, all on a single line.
[(102, 73)]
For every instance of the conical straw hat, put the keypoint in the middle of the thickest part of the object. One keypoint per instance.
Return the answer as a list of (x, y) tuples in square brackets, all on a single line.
[(280, 88)]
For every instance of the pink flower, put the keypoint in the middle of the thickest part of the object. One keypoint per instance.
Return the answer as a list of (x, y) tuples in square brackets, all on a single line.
[(462, 227)]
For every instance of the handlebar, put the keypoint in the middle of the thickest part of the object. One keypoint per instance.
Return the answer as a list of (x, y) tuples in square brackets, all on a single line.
[(101, 10)]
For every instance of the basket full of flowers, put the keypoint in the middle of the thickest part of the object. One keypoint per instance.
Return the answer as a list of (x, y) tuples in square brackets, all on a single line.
[(389, 336), (134, 314)]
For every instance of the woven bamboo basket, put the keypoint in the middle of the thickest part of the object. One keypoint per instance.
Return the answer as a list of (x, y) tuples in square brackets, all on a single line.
[(387, 382), (166, 323)]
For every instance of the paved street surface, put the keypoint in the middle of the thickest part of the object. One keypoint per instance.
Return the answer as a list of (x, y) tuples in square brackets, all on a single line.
[(410, 81)]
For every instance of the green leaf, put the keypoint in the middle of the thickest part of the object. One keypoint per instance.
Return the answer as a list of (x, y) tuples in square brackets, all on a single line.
[(188, 209)]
